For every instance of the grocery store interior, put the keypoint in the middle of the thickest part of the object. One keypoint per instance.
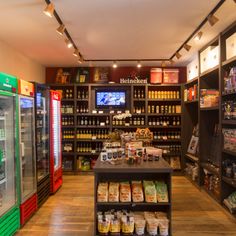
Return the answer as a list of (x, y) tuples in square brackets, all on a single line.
[(118, 118)]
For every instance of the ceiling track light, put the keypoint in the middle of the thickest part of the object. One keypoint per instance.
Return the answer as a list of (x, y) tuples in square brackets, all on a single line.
[(139, 64), (76, 53), (114, 64), (198, 36), (49, 10), (171, 61), (212, 19), (61, 29), (187, 47), (178, 55), (80, 60), (68, 43)]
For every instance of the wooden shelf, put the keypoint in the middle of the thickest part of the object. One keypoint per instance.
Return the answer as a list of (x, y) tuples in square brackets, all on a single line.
[(192, 157), (166, 141), (192, 81), (164, 127), (87, 153), (132, 204), (68, 153), (209, 108), (171, 154), (90, 114), (209, 71), (164, 114), (163, 100), (229, 181), (139, 99), (82, 99), (67, 126), (229, 122), (229, 152), (229, 62), (128, 127), (211, 168), (191, 102), (67, 99), (228, 94), (90, 140), (67, 114), (93, 126)]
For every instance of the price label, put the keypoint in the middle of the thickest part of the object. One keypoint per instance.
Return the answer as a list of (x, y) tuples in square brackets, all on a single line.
[(100, 112), (94, 111)]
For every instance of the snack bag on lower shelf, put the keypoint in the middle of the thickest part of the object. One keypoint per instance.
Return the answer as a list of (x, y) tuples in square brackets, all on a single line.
[(162, 191), (161, 215), (103, 224), (113, 192), (125, 192), (127, 224), (102, 192), (115, 225), (152, 226), (150, 191), (137, 191), (163, 227)]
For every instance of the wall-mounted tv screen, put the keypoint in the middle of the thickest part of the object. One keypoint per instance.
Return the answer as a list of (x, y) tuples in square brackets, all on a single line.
[(112, 98)]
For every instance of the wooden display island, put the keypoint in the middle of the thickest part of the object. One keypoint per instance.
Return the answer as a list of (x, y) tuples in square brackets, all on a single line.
[(149, 170)]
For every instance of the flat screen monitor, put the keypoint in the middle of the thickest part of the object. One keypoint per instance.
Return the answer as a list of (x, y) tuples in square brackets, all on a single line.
[(110, 99)]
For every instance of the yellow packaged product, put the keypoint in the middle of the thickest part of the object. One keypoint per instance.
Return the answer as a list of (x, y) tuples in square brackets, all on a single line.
[(125, 192), (102, 192), (113, 192), (137, 191)]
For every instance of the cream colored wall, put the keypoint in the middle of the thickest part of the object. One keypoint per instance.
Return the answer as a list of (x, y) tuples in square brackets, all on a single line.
[(14, 63)]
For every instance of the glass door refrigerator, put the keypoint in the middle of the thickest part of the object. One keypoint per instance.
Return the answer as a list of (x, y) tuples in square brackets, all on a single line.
[(27, 150), (55, 141), (42, 99), (9, 165)]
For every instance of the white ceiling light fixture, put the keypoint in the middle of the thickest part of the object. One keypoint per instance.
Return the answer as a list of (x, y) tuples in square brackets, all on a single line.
[(76, 53), (49, 10), (187, 47), (139, 64), (61, 29), (114, 64), (198, 36), (212, 19), (68, 43)]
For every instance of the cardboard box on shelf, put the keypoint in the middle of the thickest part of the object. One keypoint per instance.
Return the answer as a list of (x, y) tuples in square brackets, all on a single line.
[(231, 46)]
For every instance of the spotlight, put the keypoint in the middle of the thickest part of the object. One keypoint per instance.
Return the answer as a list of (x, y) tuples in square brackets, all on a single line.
[(198, 36), (139, 64), (212, 19), (49, 10), (61, 29), (114, 64), (171, 61), (178, 55), (76, 53), (81, 60), (187, 47), (163, 64), (68, 43)]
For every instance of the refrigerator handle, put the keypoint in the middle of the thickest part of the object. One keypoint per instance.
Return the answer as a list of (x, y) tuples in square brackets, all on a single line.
[(22, 149)]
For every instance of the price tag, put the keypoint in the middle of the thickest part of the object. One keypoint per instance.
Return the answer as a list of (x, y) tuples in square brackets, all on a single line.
[(94, 111), (112, 112), (102, 123), (126, 124), (100, 112), (119, 112), (94, 137), (93, 151)]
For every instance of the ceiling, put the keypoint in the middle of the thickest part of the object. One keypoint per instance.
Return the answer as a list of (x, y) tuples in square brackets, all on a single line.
[(110, 29)]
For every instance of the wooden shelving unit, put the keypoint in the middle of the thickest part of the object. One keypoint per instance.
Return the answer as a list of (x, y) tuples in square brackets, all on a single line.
[(84, 100)]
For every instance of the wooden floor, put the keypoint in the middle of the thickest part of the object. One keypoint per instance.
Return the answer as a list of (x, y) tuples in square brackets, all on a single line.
[(70, 211)]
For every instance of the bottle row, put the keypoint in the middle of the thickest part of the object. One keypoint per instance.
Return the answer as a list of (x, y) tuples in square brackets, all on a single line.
[(67, 109), (163, 94), (166, 135), (164, 109), (68, 94), (95, 121), (229, 110), (130, 121), (92, 134), (82, 94), (212, 183), (191, 94), (139, 93), (230, 81), (89, 147), (82, 109), (164, 121), (67, 121), (139, 109), (170, 148)]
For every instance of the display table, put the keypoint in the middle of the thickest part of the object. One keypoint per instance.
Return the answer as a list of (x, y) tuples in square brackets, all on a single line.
[(149, 170)]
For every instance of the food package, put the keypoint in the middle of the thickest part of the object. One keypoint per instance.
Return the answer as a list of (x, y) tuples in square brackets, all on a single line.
[(161, 215), (150, 191), (154, 151), (162, 191), (163, 227), (149, 215), (127, 224), (103, 224), (152, 226), (113, 192), (140, 226), (115, 226), (102, 192), (125, 192), (137, 191)]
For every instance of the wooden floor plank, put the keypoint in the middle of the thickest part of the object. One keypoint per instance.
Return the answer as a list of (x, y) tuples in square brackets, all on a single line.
[(70, 211)]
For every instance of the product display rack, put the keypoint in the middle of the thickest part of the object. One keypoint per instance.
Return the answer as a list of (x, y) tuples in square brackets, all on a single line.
[(207, 118), (83, 103), (159, 170)]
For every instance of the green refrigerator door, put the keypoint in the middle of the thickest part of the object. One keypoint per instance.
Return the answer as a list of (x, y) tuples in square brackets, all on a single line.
[(8, 83), (8, 164)]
